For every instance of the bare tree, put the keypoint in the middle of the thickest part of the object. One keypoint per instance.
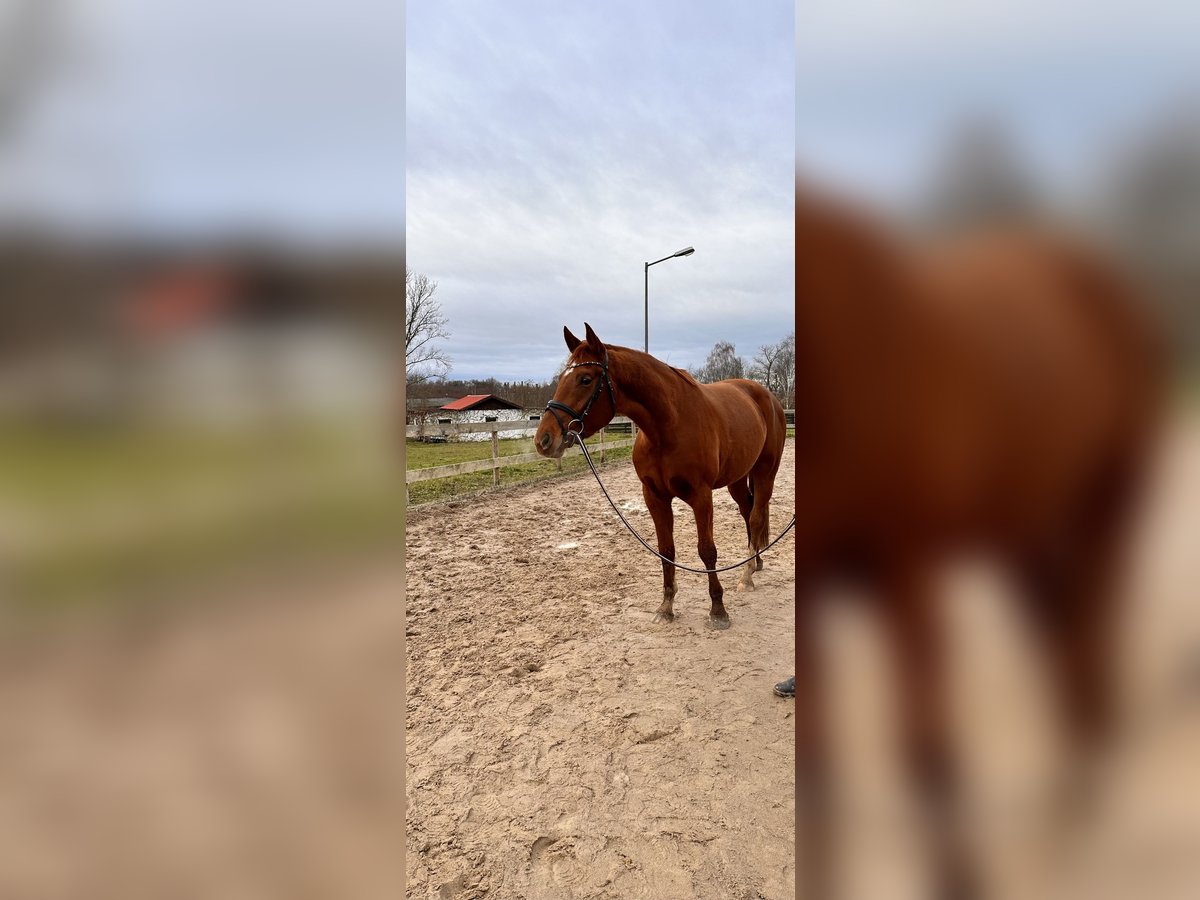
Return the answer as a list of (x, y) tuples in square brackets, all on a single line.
[(763, 367), (774, 366), (981, 179), (785, 367), (424, 324), (1147, 207), (723, 362)]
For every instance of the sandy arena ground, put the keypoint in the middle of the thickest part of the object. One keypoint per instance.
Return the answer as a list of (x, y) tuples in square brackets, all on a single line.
[(239, 749), (562, 744)]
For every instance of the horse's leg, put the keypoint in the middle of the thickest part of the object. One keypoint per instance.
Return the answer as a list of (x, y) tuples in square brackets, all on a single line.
[(664, 528), (1070, 601), (814, 791), (702, 506), (1070, 613), (1084, 661), (1072, 598), (919, 656), (740, 491)]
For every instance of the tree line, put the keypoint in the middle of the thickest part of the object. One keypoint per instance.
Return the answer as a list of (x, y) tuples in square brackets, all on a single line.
[(773, 365), (529, 394), (427, 365)]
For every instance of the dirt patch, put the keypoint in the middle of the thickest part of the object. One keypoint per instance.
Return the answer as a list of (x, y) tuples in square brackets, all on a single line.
[(560, 743)]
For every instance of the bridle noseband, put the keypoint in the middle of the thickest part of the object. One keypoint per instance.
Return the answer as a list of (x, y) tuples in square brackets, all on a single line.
[(554, 406)]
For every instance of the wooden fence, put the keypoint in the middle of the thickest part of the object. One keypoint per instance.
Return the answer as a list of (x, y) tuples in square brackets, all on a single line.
[(496, 462)]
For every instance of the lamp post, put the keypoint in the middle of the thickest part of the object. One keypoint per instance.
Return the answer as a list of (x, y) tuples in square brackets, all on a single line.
[(686, 251)]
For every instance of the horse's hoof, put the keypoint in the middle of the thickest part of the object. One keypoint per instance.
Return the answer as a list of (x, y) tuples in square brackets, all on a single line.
[(744, 588), (664, 617), (718, 623), (759, 566)]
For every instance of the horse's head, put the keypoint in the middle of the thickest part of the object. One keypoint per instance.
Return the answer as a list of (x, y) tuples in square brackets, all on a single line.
[(585, 400)]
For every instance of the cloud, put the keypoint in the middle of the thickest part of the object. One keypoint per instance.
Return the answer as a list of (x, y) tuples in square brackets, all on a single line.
[(880, 86), (550, 156), (177, 116)]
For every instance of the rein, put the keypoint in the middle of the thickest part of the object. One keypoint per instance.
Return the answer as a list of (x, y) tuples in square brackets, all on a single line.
[(642, 540)]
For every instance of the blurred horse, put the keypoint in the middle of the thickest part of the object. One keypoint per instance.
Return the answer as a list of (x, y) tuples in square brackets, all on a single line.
[(998, 393), (692, 438)]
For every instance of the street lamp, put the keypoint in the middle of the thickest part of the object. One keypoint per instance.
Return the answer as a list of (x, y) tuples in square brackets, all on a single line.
[(686, 251)]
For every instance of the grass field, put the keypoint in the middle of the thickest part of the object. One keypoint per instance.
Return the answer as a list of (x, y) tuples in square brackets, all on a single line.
[(420, 455)]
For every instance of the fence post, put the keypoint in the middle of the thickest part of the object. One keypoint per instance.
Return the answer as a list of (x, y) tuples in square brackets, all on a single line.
[(495, 459), (601, 446)]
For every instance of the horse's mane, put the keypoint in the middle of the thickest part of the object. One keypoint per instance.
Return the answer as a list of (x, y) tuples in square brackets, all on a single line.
[(653, 362), (685, 375)]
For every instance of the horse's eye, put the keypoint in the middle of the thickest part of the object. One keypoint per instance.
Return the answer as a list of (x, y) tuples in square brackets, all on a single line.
[(585, 379)]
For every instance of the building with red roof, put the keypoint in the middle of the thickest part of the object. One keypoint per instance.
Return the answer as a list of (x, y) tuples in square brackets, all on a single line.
[(473, 402)]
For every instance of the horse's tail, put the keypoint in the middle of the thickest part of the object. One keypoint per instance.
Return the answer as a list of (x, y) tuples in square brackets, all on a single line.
[(762, 476), (759, 526), (762, 533), (762, 483)]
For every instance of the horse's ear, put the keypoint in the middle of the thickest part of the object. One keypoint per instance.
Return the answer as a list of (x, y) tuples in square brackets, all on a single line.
[(592, 340), (572, 341)]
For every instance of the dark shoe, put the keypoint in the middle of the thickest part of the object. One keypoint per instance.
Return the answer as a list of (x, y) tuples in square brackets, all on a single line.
[(786, 688)]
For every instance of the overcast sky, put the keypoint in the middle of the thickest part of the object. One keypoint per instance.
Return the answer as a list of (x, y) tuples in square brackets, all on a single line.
[(881, 85), (548, 149), (553, 148), (174, 117)]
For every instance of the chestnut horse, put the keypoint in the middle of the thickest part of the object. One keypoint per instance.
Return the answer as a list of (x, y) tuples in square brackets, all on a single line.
[(996, 392), (692, 438)]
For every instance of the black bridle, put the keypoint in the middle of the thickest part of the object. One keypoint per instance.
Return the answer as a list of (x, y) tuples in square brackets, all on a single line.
[(554, 406)]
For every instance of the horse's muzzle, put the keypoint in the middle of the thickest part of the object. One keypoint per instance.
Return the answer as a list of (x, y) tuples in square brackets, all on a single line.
[(547, 443)]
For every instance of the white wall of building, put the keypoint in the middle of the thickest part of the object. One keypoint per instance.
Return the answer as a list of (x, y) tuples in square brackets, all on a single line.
[(518, 417)]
